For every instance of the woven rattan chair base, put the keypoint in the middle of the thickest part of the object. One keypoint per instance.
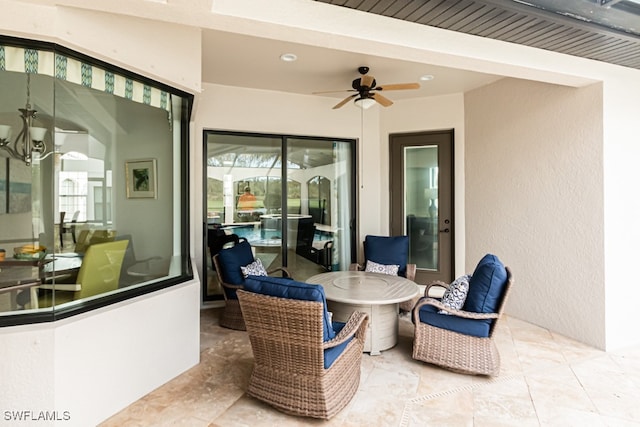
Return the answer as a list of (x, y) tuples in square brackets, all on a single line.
[(456, 352), (316, 396), (231, 316), (287, 342)]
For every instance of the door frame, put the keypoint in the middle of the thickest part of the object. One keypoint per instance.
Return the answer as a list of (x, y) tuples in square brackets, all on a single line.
[(284, 144), (444, 139)]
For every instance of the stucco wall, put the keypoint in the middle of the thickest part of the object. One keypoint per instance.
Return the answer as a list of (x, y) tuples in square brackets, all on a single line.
[(534, 197), (94, 365)]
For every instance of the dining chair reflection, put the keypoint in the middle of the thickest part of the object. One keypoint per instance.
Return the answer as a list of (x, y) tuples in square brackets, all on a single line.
[(98, 274)]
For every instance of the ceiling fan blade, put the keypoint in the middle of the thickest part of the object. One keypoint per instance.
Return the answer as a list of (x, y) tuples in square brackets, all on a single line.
[(399, 86), (366, 80), (385, 102), (344, 101), (333, 91)]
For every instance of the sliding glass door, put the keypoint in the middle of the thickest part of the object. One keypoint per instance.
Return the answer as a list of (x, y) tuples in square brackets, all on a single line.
[(290, 197)]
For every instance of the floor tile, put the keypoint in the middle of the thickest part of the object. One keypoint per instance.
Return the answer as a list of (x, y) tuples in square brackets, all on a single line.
[(545, 380)]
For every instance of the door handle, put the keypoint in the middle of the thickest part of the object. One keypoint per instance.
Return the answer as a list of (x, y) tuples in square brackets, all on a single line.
[(444, 230)]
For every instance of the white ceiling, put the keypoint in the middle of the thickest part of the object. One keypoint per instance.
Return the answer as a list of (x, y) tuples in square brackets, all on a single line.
[(245, 61)]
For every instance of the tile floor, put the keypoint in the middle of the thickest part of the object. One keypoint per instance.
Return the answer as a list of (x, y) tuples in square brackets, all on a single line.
[(545, 380)]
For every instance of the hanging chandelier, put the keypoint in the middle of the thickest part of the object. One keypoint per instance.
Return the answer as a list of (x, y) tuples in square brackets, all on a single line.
[(30, 140)]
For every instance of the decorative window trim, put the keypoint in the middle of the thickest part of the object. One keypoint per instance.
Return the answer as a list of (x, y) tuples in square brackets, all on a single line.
[(35, 61)]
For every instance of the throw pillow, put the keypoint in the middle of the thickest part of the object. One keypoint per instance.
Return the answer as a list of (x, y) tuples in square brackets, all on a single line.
[(455, 296), (374, 267), (254, 269), (388, 251), (486, 286)]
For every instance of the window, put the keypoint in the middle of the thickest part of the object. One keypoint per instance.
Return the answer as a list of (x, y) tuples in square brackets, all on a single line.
[(92, 120)]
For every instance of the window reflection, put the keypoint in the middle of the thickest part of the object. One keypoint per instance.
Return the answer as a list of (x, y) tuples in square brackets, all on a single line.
[(66, 218), (291, 198)]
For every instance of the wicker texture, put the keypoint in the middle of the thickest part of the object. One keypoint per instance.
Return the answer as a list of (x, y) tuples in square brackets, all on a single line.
[(289, 374), (455, 351), (231, 316)]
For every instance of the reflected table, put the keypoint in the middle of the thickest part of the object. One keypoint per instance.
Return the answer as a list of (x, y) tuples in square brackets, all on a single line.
[(16, 275), (21, 274), (378, 295)]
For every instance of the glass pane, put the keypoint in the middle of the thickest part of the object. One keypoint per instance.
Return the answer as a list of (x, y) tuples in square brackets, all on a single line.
[(69, 219), (319, 215), (244, 197), (421, 205), (311, 211)]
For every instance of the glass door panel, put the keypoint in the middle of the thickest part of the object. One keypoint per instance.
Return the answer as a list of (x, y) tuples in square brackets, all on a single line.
[(421, 205), (320, 214), (422, 200), (295, 212), (243, 175)]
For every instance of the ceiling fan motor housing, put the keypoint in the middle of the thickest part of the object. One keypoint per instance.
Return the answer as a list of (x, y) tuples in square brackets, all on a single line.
[(357, 85)]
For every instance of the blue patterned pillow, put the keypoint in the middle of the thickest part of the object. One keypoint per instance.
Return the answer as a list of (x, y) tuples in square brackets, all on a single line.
[(455, 296), (374, 267), (254, 269)]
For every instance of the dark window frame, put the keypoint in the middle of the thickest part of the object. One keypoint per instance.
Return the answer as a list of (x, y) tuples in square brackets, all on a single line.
[(16, 318)]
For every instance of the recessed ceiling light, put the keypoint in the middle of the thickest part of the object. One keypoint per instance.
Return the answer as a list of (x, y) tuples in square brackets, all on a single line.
[(426, 77), (288, 57)]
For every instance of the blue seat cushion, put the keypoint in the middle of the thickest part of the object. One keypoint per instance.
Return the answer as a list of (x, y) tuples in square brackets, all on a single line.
[(477, 328), (385, 250), (331, 354), (231, 259), (288, 288), (486, 286)]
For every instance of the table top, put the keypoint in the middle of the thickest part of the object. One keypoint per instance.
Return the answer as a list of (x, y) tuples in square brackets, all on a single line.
[(360, 287), (21, 271)]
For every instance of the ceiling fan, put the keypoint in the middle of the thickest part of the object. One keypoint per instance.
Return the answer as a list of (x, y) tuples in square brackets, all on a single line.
[(367, 91)]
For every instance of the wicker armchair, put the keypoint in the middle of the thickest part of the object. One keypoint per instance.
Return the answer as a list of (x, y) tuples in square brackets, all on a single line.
[(392, 250), (291, 353), (471, 353), (227, 263)]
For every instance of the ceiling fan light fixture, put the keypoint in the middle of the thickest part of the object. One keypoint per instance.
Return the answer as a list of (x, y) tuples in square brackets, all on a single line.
[(365, 103), (288, 57)]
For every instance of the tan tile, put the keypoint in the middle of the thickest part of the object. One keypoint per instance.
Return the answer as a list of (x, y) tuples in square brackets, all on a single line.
[(559, 391), (560, 416), (250, 412), (505, 403), (612, 390), (453, 409)]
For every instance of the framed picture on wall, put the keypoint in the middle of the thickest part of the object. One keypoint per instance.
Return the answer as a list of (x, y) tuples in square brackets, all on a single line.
[(141, 179)]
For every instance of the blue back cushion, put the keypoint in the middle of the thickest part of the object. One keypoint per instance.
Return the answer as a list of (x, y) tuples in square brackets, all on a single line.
[(388, 251), (486, 286), (287, 288), (475, 327), (231, 259), (332, 353)]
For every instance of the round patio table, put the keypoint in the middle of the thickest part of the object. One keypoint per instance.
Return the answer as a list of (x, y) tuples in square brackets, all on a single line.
[(378, 295)]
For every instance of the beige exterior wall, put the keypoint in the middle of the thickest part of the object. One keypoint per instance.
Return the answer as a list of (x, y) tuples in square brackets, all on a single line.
[(534, 197)]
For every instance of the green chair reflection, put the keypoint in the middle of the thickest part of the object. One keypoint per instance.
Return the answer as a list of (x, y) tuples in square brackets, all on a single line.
[(99, 273)]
